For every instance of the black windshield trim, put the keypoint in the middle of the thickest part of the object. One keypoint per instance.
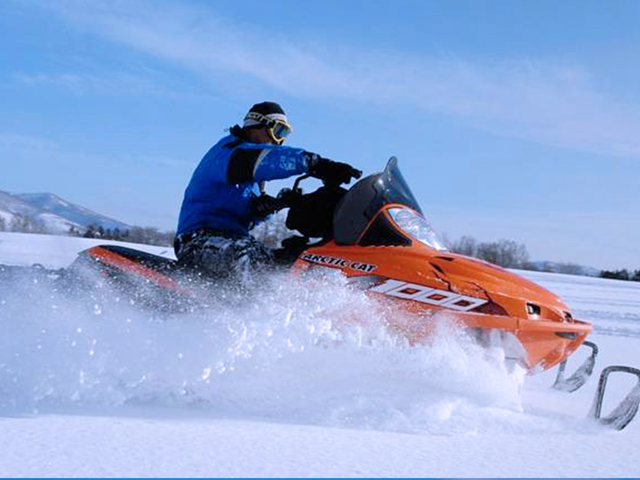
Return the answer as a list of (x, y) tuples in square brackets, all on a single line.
[(366, 198), (383, 233)]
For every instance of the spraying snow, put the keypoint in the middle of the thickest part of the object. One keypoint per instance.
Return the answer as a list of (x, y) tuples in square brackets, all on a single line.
[(297, 352)]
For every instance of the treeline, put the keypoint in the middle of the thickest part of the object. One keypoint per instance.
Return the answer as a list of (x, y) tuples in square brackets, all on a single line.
[(21, 224), (509, 254), (623, 274), (145, 235), (505, 253)]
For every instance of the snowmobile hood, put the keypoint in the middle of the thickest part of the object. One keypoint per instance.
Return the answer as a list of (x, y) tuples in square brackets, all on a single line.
[(501, 285)]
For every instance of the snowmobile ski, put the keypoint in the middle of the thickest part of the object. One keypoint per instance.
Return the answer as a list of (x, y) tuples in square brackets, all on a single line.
[(581, 375), (626, 410)]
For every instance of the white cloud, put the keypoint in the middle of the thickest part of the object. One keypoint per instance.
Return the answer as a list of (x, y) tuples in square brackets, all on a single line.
[(102, 83), (534, 100)]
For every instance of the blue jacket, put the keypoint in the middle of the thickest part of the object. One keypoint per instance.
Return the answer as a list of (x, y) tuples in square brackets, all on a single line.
[(220, 191)]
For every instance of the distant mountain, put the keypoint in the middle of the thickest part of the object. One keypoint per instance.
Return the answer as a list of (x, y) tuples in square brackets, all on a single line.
[(48, 213), (49, 202)]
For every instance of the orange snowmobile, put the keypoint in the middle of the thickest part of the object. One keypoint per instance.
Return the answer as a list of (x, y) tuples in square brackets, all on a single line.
[(377, 236), (382, 241)]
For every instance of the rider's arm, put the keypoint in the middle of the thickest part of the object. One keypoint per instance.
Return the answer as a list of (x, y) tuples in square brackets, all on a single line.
[(257, 162)]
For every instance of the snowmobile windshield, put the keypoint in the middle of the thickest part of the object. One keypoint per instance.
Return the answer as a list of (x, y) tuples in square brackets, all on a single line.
[(366, 198)]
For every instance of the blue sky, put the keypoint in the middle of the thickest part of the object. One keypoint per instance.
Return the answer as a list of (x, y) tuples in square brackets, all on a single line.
[(511, 119)]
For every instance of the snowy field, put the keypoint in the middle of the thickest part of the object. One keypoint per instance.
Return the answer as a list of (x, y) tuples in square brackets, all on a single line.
[(271, 388)]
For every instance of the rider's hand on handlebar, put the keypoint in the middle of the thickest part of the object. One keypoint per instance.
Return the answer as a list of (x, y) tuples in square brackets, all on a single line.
[(330, 171), (265, 205), (287, 196)]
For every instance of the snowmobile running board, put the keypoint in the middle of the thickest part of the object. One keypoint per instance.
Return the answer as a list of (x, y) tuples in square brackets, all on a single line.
[(581, 375), (622, 415)]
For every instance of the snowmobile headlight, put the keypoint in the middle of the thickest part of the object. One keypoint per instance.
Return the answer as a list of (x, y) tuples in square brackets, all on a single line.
[(415, 225)]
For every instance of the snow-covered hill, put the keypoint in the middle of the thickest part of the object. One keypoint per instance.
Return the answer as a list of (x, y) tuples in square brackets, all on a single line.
[(49, 213), (267, 387), (49, 202), (12, 207)]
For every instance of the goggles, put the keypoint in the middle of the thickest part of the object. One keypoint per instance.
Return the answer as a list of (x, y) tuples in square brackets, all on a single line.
[(277, 129)]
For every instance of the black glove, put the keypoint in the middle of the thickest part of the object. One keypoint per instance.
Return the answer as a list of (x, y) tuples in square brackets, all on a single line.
[(329, 171), (288, 197), (265, 205)]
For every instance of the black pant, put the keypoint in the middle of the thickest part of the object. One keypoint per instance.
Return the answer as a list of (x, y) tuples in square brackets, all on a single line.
[(220, 255)]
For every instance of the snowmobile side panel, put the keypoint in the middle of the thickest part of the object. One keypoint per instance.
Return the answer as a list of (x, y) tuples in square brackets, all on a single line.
[(108, 256)]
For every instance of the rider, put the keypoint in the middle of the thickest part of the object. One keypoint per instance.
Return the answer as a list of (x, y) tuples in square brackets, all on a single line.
[(225, 196)]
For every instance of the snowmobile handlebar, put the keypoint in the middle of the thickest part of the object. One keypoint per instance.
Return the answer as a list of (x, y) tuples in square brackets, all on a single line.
[(296, 184), (264, 205), (288, 196)]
